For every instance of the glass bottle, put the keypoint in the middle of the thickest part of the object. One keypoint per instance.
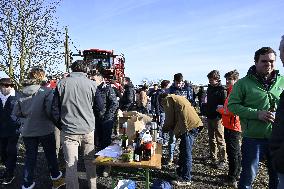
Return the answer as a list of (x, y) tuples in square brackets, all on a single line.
[(273, 106), (137, 148), (124, 137)]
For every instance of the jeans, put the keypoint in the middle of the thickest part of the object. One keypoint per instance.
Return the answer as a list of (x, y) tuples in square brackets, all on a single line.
[(172, 144), (70, 145), (185, 156), (281, 181), (253, 151), (104, 132), (216, 139), (8, 148), (233, 148), (31, 145), (162, 121)]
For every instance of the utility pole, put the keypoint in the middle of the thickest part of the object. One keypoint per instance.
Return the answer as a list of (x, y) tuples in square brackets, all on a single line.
[(66, 54)]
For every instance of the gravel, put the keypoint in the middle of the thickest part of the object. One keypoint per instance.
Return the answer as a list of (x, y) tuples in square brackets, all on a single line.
[(203, 175)]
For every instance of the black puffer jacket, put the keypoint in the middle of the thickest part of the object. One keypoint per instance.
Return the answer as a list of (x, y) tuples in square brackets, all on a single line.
[(277, 138), (128, 98), (9, 124), (216, 95), (110, 101)]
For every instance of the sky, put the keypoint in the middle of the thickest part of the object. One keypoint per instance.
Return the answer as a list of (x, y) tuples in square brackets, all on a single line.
[(162, 37)]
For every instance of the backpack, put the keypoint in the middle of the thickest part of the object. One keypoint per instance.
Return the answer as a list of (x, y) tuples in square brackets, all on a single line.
[(161, 184)]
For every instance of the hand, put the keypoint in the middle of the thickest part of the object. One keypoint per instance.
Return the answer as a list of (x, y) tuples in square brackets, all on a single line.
[(158, 120), (266, 116), (200, 128)]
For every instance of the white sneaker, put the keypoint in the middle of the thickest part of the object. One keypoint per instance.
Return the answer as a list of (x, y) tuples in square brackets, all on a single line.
[(58, 182), (106, 171), (30, 187), (180, 182), (235, 184)]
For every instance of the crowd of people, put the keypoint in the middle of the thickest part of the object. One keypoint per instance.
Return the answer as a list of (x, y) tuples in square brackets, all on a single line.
[(244, 121)]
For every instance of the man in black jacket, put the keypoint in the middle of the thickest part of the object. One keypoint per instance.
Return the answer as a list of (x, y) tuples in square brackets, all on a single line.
[(216, 96), (128, 98), (160, 113), (9, 127), (277, 136), (105, 122)]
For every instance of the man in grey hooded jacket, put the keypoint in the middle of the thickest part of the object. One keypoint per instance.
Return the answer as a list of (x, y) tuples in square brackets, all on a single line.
[(74, 103)]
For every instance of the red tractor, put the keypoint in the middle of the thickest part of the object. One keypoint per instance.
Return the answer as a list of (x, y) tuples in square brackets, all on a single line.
[(111, 66)]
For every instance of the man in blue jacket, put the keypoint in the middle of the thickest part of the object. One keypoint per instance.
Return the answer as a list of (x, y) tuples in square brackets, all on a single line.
[(9, 127), (105, 122)]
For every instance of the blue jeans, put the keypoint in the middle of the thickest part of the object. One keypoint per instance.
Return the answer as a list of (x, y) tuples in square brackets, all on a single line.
[(162, 121), (253, 151), (172, 144), (49, 147), (281, 181), (185, 156)]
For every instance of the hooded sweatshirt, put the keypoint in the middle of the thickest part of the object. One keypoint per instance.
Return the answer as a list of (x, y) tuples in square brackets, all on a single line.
[(35, 108)]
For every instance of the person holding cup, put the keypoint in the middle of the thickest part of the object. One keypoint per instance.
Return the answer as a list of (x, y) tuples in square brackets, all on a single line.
[(232, 132)]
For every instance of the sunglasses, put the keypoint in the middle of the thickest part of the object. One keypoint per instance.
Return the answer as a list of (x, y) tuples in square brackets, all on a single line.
[(6, 85)]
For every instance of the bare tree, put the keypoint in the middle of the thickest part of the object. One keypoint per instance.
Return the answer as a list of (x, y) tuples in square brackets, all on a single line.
[(29, 36)]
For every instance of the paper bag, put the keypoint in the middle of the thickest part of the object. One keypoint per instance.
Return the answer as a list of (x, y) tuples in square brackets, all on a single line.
[(134, 124)]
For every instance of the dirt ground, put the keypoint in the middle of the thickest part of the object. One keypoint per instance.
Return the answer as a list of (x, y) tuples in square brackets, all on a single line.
[(203, 175)]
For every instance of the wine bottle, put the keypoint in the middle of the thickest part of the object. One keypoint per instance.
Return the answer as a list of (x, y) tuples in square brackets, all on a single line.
[(137, 148), (124, 137)]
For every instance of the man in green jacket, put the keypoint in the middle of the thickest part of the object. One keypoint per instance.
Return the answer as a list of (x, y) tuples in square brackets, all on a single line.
[(253, 99)]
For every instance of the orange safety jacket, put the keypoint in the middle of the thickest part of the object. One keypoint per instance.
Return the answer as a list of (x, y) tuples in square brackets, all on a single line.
[(230, 121)]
